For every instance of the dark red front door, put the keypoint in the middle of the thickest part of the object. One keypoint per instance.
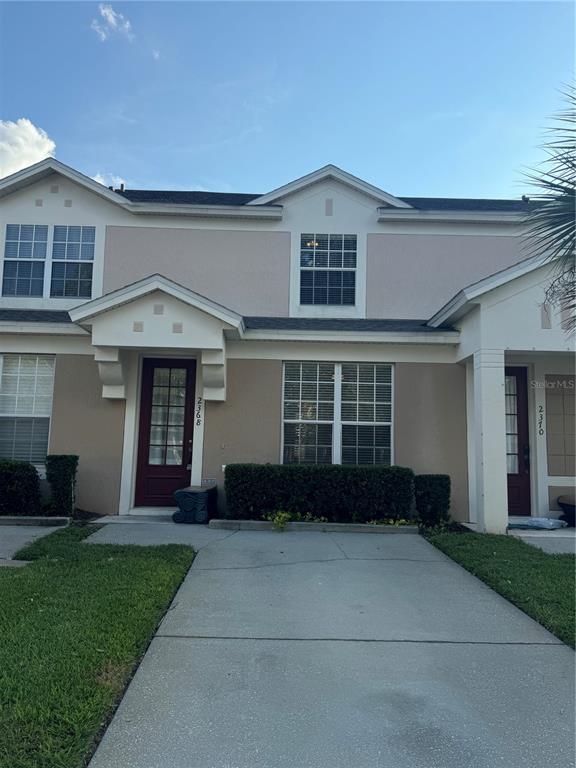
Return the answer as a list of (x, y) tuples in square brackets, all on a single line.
[(517, 441), (166, 427)]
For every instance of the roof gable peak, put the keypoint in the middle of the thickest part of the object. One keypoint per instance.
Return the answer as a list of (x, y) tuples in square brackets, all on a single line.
[(328, 172)]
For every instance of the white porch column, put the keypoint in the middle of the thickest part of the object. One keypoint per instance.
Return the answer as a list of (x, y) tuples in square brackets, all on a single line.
[(490, 441)]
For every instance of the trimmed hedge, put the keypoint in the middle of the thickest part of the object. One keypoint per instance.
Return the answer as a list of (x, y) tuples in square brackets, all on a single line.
[(19, 488), (432, 495), (342, 494), (61, 475)]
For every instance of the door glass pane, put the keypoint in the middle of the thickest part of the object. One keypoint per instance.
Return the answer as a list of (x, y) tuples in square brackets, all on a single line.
[(156, 455), (511, 426), (162, 376), (512, 464), (166, 444)]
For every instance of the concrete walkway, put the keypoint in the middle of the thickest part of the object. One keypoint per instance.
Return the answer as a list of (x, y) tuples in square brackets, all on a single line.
[(316, 650), (14, 537), (560, 541)]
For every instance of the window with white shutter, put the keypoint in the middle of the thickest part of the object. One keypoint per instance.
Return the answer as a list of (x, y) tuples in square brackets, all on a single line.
[(337, 413), (26, 387)]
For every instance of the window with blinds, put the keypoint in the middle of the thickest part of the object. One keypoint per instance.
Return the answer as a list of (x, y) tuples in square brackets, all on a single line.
[(337, 413), (328, 269), (366, 413), (26, 387), (24, 258), (42, 260), (308, 413), (72, 257)]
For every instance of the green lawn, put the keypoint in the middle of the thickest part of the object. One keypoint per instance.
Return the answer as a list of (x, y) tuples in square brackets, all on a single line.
[(542, 585), (73, 626)]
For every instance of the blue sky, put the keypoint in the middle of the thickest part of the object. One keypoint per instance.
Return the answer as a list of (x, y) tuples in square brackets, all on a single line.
[(420, 98)]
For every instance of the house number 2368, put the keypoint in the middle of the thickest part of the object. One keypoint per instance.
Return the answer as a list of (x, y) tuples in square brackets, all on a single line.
[(198, 413)]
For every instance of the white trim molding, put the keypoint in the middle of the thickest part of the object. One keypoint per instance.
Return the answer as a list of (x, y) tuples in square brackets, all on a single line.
[(464, 299), (149, 285), (45, 168)]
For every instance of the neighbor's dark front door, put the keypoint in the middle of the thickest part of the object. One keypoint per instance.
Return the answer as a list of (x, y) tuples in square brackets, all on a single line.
[(517, 441), (166, 425)]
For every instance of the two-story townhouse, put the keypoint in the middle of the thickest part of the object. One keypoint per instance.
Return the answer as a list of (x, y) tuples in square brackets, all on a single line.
[(161, 335)]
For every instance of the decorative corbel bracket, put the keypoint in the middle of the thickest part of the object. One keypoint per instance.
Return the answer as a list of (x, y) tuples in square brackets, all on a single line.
[(111, 371), (213, 363)]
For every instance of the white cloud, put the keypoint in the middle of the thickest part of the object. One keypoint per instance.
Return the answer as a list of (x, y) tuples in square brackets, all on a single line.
[(22, 144), (109, 179), (155, 54), (111, 23)]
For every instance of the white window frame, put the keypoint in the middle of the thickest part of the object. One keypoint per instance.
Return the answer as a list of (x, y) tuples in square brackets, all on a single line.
[(31, 260), (48, 284), (41, 465), (329, 269), (329, 310), (46, 300), (337, 419)]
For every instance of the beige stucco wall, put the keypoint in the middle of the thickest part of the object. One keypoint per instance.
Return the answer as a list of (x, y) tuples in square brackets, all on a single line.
[(429, 412), (413, 276), (247, 271), (90, 427), (430, 424), (245, 428)]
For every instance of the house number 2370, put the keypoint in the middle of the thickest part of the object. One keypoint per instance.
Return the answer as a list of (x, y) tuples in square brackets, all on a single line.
[(198, 413), (540, 419)]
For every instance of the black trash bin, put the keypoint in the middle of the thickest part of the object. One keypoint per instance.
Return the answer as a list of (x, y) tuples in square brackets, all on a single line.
[(197, 504)]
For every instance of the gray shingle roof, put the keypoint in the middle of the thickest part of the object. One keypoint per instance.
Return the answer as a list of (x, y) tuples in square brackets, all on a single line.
[(34, 316), (469, 204), (257, 323), (339, 324), (182, 197)]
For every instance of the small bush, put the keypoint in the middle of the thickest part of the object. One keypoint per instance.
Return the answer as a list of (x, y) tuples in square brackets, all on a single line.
[(341, 494), (432, 495), (61, 474), (19, 488), (279, 519)]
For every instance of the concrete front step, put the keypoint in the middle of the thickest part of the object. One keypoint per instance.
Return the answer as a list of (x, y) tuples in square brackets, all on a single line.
[(264, 525)]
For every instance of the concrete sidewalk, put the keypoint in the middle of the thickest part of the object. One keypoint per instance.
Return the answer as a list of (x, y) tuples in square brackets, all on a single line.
[(318, 650)]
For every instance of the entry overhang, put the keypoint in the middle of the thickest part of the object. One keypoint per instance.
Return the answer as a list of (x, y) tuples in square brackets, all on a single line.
[(157, 314)]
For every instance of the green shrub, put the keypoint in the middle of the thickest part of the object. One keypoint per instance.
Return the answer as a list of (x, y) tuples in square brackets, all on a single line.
[(341, 494), (19, 488), (61, 475), (432, 495)]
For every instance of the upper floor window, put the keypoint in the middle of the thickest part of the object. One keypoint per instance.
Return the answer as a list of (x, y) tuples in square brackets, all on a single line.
[(72, 257), (67, 251), (328, 269), (24, 259)]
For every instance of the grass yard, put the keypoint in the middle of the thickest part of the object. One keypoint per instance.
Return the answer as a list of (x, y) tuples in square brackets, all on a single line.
[(73, 626), (542, 585)]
